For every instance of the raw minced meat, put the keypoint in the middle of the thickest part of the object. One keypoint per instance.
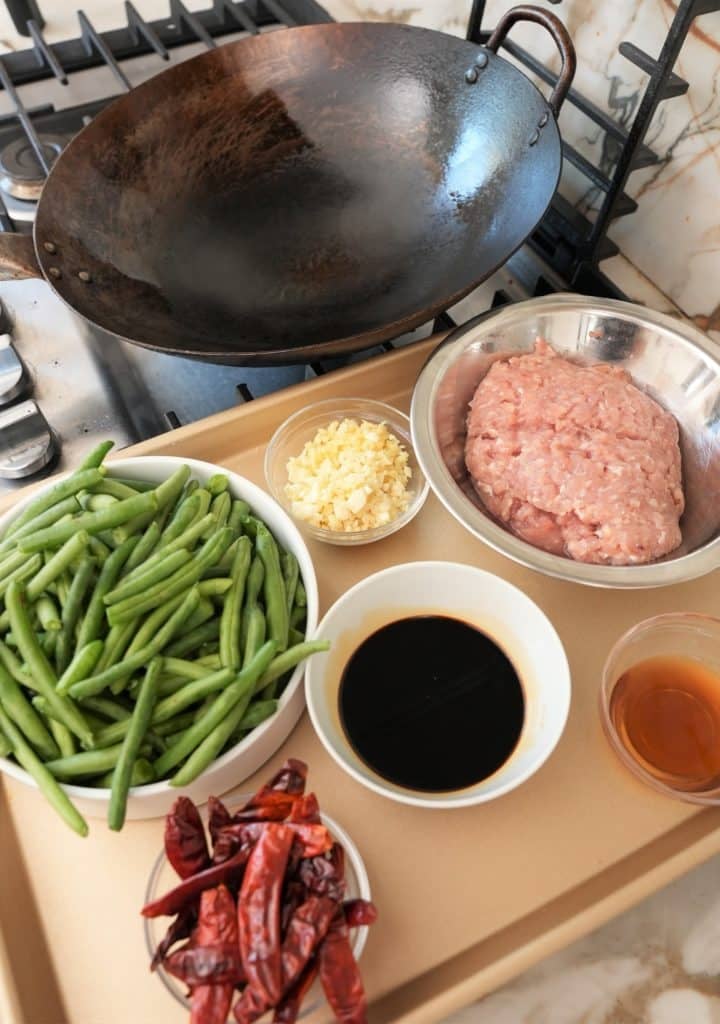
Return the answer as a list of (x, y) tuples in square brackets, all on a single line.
[(576, 459)]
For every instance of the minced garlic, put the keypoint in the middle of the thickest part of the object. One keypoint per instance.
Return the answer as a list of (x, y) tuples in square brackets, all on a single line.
[(352, 475)]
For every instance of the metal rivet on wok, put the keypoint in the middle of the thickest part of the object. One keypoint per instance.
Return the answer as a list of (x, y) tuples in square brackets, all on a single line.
[(481, 60), (543, 120), (471, 76), (84, 276), (534, 137), (55, 272), (49, 247)]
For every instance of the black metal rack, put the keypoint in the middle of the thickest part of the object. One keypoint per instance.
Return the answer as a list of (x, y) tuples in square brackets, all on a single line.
[(568, 240)]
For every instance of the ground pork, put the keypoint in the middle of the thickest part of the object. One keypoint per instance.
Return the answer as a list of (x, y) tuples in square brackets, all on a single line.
[(575, 459)]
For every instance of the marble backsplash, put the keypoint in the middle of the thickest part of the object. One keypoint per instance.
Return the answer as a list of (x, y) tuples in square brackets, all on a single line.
[(674, 236)]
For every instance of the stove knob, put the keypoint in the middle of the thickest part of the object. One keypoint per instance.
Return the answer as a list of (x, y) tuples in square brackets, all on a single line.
[(13, 379), (27, 443)]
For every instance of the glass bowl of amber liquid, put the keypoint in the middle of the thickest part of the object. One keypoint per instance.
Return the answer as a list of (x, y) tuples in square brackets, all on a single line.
[(660, 704)]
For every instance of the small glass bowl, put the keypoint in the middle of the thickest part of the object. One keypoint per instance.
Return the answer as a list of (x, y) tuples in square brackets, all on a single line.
[(289, 439), (163, 878), (684, 634)]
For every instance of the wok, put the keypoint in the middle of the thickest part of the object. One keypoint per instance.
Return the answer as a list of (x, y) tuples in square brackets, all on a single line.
[(299, 193)]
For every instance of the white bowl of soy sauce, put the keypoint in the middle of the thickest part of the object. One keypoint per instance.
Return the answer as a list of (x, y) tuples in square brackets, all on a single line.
[(444, 686)]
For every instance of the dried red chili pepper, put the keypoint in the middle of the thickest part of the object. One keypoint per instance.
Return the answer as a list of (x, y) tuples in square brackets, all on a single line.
[(203, 965), (217, 925), (218, 816), (312, 840), (185, 843), (288, 1008), (340, 975), (187, 892), (325, 876), (308, 927), (305, 810), (181, 928), (259, 911), (359, 912)]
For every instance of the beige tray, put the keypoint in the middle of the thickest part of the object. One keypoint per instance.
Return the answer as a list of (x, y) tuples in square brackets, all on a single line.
[(467, 898)]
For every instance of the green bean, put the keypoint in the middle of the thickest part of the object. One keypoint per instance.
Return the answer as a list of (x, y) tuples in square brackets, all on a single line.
[(230, 620), (94, 522), (204, 611), (178, 583), (257, 713), (215, 587), (97, 455), (171, 706), (117, 489), (256, 575), (209, 661), (48, 614), (276, 610), (217, 484), (100, 550), (96, 501), (72, 549), (76, 594), (81, 664), (47, 785), (238, 691), (300, 595), (63, 737), (225, 564), (95, 684), (145, 634), (220, 508), (141, 581), (23, 572), (93, 622), (211, 746), (87, 762), (238, 513), (289, 659), (139, 724), (295, 637), (291, 575), (145, 546), (40, 669), (115, 645), (14, 667), (52, 515), (19, 708), (175, 725), (62, 587), (169, 490), (143, 773), (204, 498), (134, 525), (48, 643), (170, 684), (134, 485), (67, 488), (5, 745), (187, 669), (255, 635), (184, 516), (107, 707), (250, 525), (13, 561), (199, 528), (298, 616), (194, 639)]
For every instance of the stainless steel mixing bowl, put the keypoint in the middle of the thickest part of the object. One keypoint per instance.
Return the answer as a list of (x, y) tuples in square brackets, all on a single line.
[(676, 364)]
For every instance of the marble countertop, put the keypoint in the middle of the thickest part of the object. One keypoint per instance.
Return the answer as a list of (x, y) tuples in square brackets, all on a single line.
[(659, 963)]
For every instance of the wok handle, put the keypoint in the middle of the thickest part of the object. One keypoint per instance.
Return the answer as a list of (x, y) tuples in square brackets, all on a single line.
[(525, 12), (17, 257)]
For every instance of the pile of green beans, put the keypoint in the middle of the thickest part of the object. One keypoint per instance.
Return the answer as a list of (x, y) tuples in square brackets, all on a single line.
[(144, 630)]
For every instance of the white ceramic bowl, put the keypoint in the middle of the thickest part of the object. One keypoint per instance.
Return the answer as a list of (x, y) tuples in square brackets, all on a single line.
[(231, 768), (497, 608), (163, 878)]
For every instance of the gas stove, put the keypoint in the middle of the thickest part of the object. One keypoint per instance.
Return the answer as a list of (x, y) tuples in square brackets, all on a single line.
[(62, 389)]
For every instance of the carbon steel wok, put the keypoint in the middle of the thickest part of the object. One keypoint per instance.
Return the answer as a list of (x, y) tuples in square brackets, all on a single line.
[(300, 193)]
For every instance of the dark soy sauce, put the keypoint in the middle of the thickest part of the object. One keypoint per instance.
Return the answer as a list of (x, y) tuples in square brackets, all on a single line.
[(431, 703)]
